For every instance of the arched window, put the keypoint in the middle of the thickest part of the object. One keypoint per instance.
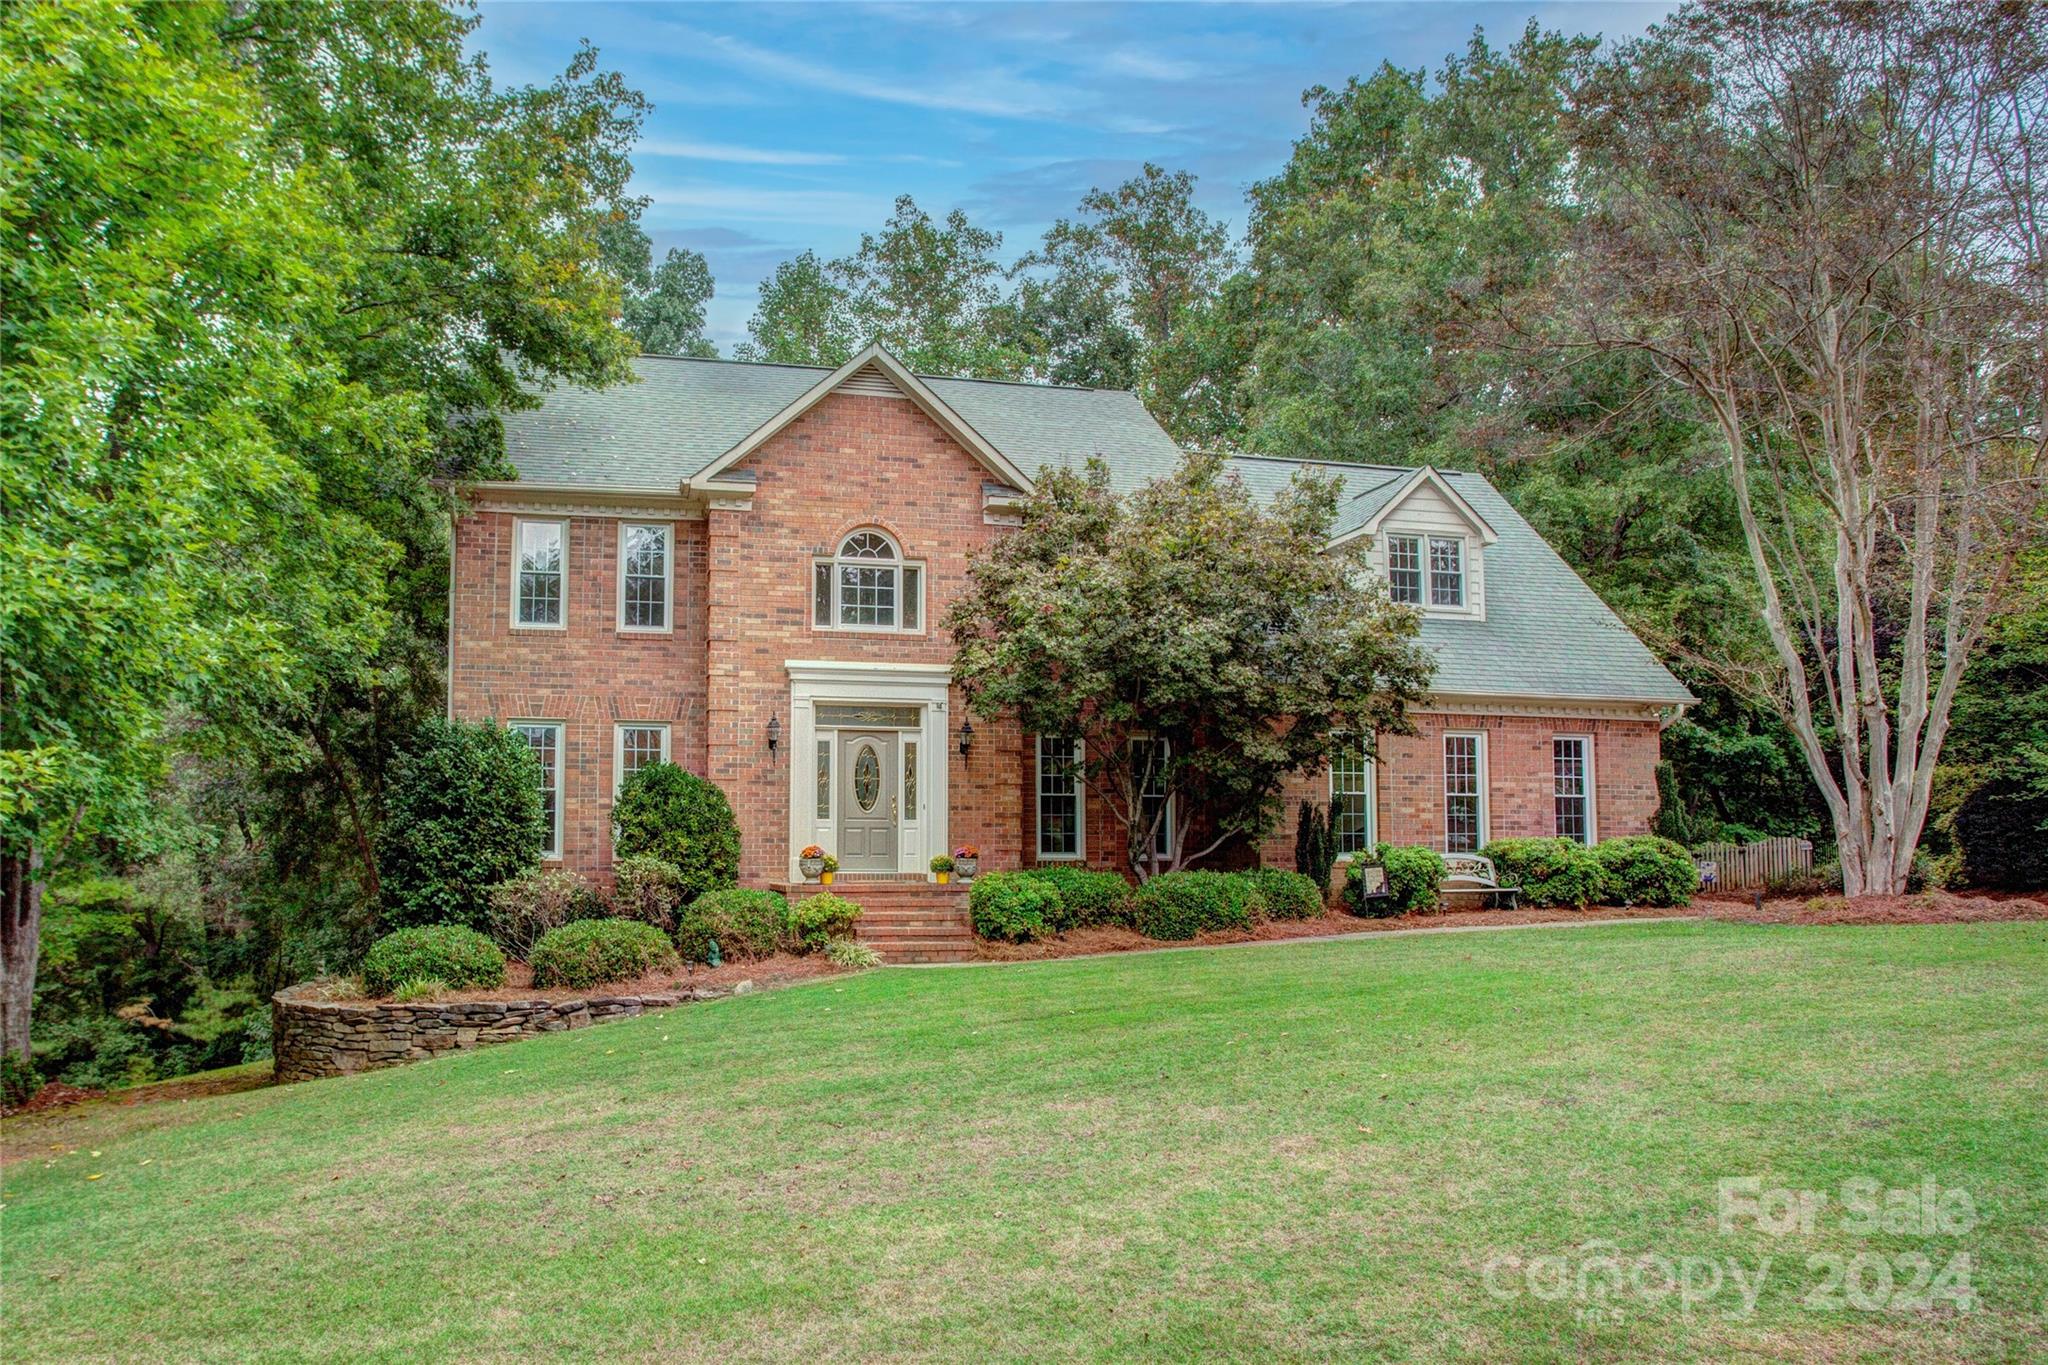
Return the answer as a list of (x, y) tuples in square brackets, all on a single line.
[(868, 585)]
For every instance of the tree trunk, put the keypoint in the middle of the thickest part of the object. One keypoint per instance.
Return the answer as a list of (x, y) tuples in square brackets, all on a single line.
[(21, 923)]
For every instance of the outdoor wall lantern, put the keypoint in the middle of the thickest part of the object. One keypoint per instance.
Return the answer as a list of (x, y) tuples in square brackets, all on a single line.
[(774, 732), (966, 737)]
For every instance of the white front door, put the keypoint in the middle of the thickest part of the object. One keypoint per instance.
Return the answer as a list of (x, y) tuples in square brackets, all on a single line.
[(869, 810)]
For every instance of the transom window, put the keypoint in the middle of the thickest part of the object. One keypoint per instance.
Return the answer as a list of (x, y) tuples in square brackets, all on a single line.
[(1059, 797), (1446, 572), (545, 737), (643, 576), (867, 586), (638, 746), (1464, 793), (540, 556), (1571, 763), (1351, 803)]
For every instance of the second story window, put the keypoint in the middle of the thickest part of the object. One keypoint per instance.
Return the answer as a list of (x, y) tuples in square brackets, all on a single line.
[(643, 576), (1404, 569), (540, 562), (867, 586), (1446, 572)]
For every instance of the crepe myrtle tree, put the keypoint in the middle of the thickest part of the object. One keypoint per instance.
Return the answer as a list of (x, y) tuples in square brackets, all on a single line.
[(1200, 647)]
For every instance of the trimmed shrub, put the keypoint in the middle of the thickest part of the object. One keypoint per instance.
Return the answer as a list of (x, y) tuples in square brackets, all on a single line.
[(747, 924), (648, 889), (19, 1080), (1644, 869), (1288, 895), (592, 952), (526, 907), (1415, 878), (455, 953), (1549, 871), (1179, 905), (1086, 898), (1016, 907), (682, 819), (462, 813), (815, 921), (844, 952)]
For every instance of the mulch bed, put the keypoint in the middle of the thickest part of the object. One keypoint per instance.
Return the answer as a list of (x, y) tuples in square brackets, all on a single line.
[(1084, 942), (780, 970), (1925, 907)]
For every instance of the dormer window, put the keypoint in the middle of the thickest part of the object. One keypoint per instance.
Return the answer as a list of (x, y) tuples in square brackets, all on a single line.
[(867, 586), (1446, 572), (1404, 569)]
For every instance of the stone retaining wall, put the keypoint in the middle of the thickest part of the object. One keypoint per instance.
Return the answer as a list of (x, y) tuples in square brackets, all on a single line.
[(311, 1037)]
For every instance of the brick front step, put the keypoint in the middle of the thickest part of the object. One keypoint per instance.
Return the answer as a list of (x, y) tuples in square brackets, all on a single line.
[(904, 921)]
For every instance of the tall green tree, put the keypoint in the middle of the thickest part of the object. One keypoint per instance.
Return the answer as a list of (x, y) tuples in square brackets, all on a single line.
[(664, 306), (1198, 646), (803, 317), (166, 430), (928, 289)]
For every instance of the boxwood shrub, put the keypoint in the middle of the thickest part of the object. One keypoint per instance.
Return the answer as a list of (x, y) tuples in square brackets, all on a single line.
[(591, 952), (815, 921), (526, 907), (682, 819), (1086, 898), (748, 924), (1178, 905), (1415, 878), (1288, 895), (1015, 907), (1549, 871), (1643, 869), (457, 954)]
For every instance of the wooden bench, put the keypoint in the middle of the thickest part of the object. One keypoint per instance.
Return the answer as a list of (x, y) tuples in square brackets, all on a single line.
[(1471, 877)]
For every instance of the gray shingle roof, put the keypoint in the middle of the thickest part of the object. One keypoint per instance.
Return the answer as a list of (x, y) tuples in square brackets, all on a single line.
[(1546, 634)]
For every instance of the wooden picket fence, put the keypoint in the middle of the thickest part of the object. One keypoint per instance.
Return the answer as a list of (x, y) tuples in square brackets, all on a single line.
[(1749, 865)]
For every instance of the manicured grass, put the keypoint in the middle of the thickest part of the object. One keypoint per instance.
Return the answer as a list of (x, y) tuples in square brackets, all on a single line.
[(1304, 1150)]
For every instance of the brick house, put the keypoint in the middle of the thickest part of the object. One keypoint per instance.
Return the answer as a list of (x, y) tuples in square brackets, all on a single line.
[(739, 568)]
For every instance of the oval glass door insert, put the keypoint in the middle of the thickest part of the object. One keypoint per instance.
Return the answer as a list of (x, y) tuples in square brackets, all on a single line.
[(867, 778)]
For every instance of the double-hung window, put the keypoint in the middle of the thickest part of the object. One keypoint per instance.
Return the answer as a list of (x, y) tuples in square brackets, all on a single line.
[(1155, 802), (1351, 803), (867, 585), (1404, 569), (540, 561), (1059, 798), (1446, 572), (546, 739), (1464, 792), (635, 746), (645, 575), (1571, 763)]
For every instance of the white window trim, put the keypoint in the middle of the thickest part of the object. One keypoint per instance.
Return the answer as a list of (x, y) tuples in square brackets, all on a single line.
[(1172, 849), (1372, 806), (1464, 602), (518, 533), (561, 791), (1485, 832), (899, 563), (1080, 853), (1471, 565), (668, 563), (1592, 788), (619, 747)]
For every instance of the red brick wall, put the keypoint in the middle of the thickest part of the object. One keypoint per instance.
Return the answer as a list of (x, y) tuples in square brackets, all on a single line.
[(849, 462), (589, 676), (1409, 780), (742, 608)]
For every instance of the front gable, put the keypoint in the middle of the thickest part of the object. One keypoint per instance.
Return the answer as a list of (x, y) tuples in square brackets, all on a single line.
[(873, 373), (1426, 524)]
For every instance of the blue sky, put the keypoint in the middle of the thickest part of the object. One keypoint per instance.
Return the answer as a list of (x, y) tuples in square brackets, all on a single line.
[(781, 127)]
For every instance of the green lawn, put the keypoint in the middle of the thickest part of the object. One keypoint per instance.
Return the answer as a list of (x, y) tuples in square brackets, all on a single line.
[(1307, 1150)]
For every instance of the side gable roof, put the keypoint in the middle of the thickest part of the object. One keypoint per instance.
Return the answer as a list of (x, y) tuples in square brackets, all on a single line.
[(872, 356)]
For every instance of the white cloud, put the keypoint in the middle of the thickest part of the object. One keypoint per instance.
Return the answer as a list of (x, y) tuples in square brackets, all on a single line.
[(739, 203), (726, 151), (991, 91)]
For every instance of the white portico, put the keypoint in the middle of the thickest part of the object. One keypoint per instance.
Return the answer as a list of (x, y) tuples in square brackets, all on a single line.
[(868, 770)]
